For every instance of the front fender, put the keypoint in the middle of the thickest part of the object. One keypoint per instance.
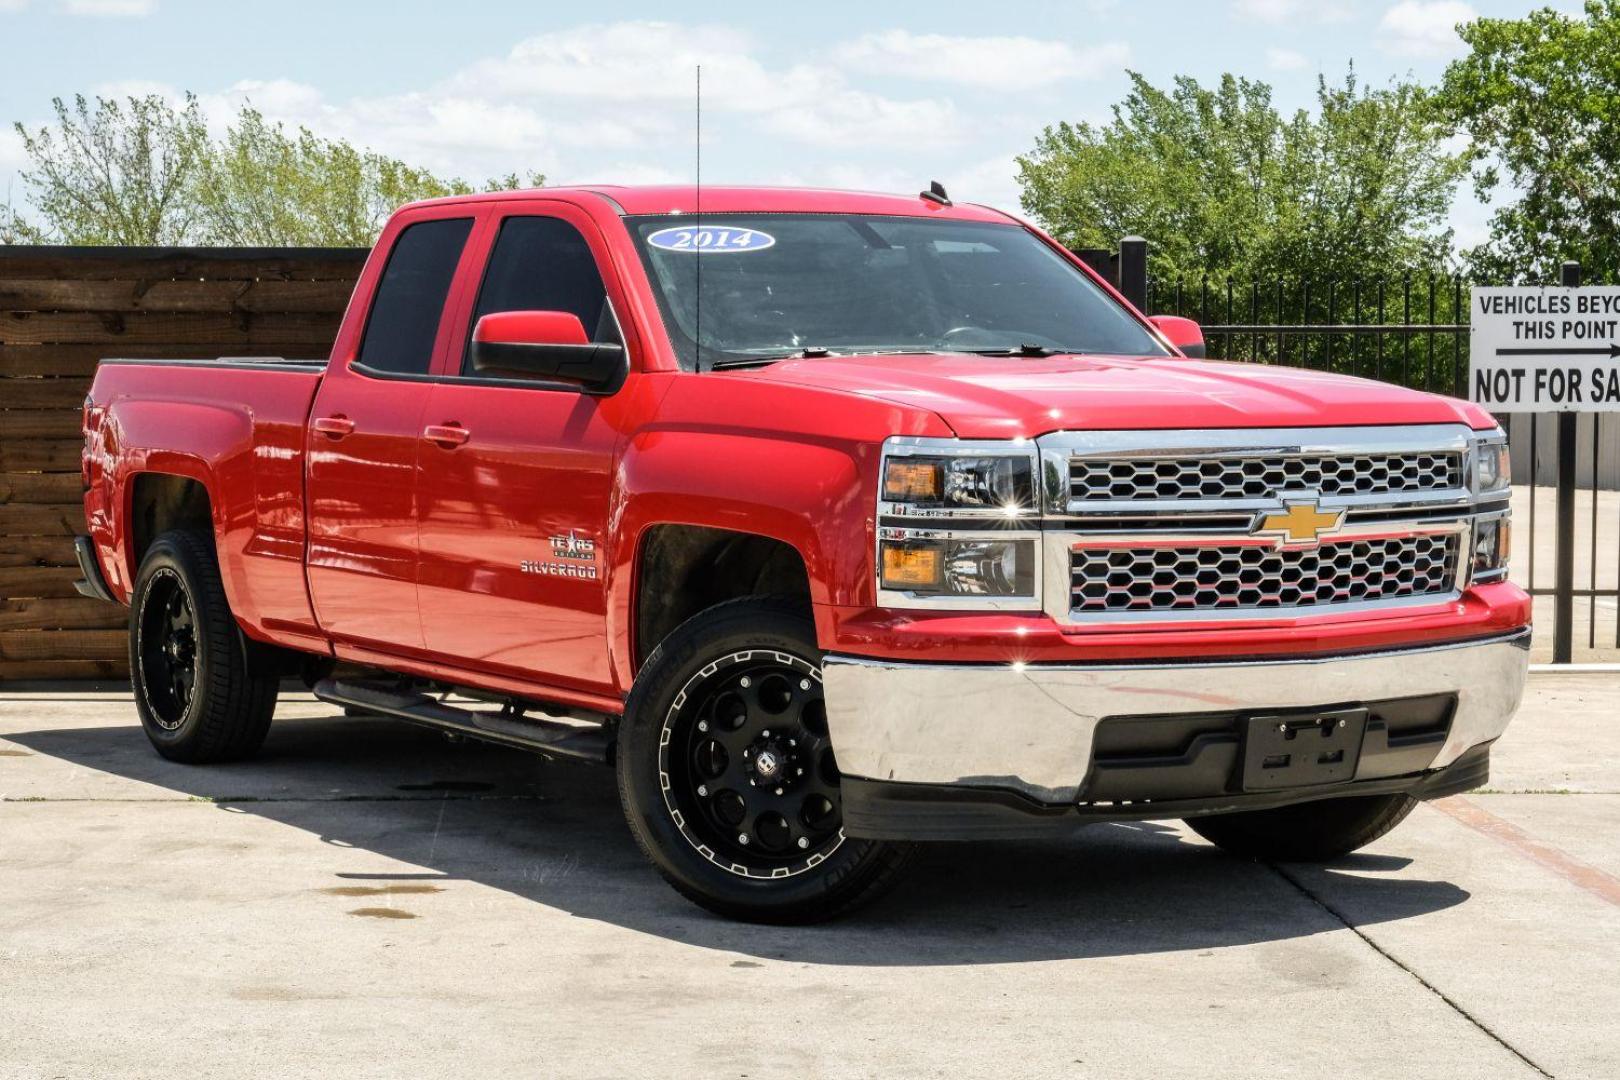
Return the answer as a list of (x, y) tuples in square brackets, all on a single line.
[(813, 495)]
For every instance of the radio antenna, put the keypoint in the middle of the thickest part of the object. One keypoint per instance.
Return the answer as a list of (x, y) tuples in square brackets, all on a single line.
[(697, 223)]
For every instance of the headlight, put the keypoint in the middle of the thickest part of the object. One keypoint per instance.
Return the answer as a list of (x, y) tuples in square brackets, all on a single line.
[(921, 564), (1493, 471), (960, 485), (1493, 538), (958, 525)]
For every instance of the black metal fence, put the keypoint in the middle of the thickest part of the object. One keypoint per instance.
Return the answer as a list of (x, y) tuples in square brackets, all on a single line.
[(1411, 328)]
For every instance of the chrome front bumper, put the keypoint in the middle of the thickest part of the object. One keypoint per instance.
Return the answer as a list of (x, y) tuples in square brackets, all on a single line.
[(1029, 728)]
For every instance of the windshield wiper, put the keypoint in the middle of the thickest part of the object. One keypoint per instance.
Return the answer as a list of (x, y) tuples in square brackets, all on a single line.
[(812, 353), (1026, 349)]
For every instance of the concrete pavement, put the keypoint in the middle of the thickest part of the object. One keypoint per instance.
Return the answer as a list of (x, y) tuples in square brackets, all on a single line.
[(368, 900)]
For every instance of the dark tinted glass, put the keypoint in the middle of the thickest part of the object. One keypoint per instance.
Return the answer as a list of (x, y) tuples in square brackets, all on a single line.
[(544, 264), (410, 299), (856, 283)]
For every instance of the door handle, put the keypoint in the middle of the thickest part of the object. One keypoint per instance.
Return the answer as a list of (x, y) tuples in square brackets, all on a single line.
[(449, 435), (333, 426)]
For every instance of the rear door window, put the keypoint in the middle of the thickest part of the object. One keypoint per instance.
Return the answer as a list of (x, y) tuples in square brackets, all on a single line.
[(405, 314)]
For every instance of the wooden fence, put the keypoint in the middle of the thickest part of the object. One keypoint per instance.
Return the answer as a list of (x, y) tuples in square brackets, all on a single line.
[(63, 309)]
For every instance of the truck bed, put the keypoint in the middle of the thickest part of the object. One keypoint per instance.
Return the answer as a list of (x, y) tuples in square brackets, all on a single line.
[(237, 426)]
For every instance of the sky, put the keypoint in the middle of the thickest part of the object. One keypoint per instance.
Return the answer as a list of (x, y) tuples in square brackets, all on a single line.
[(864, 95)]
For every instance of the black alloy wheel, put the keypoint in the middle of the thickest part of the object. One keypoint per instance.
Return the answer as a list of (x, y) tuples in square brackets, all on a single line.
[(727, 774), (168, 649), (198, 698), (746, 767)]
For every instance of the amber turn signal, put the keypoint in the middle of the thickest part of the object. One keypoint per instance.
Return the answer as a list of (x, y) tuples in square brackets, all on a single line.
[(910, 567), (911, 481)]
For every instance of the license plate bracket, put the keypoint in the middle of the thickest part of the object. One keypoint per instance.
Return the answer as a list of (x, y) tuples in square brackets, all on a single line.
[(1302, 749)]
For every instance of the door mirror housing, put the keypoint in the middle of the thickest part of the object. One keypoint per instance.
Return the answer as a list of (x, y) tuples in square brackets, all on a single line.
[(546, 346), (1184, 334)]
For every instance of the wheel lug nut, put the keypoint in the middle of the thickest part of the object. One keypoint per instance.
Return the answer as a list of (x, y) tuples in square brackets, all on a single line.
[(798, 772), (703, 725), (745, 682), (793, 742), (703, 789), (779, 791), (751, 782), (804, 842), (767, 733), (742, 838), (804, 684)]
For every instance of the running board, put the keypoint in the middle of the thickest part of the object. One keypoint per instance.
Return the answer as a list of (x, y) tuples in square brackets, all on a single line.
[(584, 742)]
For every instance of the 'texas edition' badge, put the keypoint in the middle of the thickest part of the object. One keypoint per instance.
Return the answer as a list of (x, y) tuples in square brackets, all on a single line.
[(572, 556)]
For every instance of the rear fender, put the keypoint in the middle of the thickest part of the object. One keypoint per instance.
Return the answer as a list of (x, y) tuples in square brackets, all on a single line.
[(131, 442), (255, 498)]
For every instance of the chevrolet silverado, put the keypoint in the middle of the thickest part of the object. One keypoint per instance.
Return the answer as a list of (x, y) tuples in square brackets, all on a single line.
[(833, 522)]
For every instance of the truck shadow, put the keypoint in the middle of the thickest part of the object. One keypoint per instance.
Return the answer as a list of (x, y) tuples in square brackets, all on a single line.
[(552, 834)]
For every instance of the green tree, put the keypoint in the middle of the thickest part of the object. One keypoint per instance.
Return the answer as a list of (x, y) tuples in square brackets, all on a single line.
[(261, 186), (1222, 183), (116, 173), (13, 228), (1540, 99), (143, 173)]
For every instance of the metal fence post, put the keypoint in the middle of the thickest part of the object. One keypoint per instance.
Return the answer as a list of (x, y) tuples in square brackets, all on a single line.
[(1564, 572), (1133, 271), (1099, 259)]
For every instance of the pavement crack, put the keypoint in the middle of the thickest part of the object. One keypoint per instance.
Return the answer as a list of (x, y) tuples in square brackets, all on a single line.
[(1421, 981)]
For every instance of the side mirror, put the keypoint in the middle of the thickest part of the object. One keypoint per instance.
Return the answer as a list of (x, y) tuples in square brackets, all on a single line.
[(1184, 334), (546, 345)]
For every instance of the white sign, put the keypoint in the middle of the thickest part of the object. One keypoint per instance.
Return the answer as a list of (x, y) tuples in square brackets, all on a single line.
[(1550, 349)]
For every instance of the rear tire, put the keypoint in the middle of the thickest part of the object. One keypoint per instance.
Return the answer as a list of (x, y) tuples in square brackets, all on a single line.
[(726, 773), (1306, 832), (197, 700)]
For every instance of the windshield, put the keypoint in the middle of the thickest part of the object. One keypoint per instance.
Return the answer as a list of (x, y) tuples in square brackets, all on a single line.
[(775, 285)]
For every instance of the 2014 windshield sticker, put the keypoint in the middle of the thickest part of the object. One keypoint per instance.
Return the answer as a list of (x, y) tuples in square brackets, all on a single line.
[(710, 239)]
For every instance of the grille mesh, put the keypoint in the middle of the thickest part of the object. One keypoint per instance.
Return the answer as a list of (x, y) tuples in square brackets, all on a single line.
[(1108, 479), (1239, 577)]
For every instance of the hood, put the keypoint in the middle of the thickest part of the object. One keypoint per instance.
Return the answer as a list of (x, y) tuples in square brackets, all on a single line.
[(983, 397)]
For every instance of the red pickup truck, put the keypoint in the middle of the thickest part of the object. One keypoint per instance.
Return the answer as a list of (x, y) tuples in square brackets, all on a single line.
[(833, 521)]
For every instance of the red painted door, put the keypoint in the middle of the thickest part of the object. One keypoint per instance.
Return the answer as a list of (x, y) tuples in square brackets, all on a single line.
[(366, 435), (513, 511)]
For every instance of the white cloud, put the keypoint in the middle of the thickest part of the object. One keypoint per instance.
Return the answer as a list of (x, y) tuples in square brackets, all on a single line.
[(613, 102), (12, 5), (11, 153), (1283, 11), (109, 8), (137, 88), (1286, 60), (993, 181), (1424, 28), (857, 118), (1011, 62)]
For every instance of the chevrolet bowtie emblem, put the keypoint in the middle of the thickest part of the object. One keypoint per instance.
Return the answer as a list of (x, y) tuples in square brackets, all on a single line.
[(1299, 523)]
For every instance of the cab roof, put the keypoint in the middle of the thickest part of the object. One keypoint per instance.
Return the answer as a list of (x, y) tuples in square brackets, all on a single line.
[(683, 199)]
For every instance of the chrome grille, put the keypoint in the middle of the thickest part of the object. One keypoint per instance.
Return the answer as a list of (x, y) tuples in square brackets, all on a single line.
[(1159, 478), (1237, 577)]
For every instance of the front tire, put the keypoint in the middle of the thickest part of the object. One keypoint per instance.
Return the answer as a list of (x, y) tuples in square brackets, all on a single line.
[(197, 700), (1307, 832), (727, 777)]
